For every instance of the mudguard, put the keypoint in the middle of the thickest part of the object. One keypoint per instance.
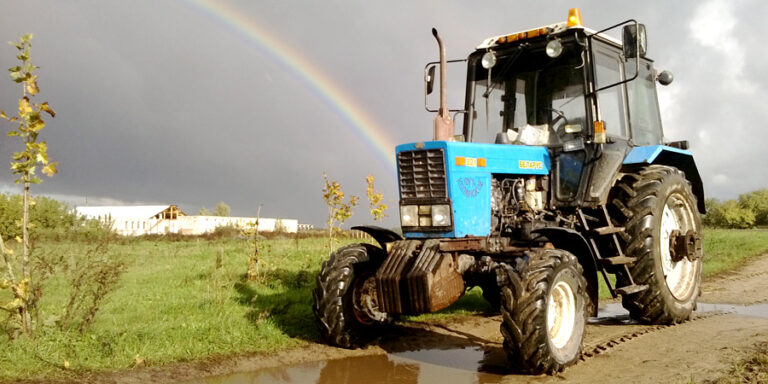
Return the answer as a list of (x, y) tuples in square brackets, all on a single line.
[(381, 235), (573, 242), (674, 157)]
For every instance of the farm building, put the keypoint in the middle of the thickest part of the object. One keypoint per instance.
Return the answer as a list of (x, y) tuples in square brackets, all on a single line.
[(161, 219)]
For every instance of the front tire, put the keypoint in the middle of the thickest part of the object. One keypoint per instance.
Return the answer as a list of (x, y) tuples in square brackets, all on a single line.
[(345, 298), (652, 205), (543, 308)]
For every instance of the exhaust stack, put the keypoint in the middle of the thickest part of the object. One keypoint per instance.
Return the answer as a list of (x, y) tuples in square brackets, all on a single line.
[(443, 127)]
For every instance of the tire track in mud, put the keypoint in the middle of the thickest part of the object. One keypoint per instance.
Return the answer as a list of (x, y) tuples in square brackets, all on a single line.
[(593, 350)]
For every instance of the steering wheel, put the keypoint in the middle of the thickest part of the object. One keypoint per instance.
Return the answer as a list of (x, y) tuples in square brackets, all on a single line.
[(560, 117)]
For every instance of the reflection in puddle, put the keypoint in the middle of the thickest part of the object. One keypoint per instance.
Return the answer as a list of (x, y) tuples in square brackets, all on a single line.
[(456, 363), (460, 366)]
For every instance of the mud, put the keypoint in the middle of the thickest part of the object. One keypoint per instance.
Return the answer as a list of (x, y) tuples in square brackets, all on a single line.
[(469, 349), (481, 359)]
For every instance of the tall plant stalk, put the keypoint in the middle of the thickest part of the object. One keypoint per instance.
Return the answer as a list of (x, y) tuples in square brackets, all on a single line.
[(24, 165)]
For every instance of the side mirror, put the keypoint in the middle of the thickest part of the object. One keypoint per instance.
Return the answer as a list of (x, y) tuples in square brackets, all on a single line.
[(665, 78), (429, 79), (634, 41)]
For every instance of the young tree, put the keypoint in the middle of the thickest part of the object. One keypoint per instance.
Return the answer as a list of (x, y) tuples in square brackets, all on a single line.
[(374, 200), (338, 210), (255, 264), (29, 124), (222, 209)]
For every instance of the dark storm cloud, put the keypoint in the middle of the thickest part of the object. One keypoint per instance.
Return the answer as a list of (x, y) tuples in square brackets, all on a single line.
[(160, 102)]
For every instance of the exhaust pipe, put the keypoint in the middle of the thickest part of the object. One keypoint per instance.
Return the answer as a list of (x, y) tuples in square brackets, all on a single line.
[(443, 126)]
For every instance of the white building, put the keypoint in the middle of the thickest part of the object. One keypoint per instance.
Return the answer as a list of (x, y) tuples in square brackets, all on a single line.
[(161, 219)]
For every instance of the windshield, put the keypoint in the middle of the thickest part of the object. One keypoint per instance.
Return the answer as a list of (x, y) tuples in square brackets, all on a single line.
[(532, 98)]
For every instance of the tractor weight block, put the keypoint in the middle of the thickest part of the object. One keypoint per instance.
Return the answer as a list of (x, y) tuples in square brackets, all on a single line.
[(418, 278), (388, 277), (434, 281)]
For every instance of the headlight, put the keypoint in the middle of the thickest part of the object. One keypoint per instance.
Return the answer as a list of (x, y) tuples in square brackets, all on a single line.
[(409, 215), (441, 215)]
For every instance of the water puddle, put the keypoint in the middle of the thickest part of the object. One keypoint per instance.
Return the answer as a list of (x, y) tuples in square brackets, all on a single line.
[(614, 313), (426, 363), (441, 366)]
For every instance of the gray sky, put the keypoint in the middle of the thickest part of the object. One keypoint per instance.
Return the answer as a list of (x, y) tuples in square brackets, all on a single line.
[(165, 102)]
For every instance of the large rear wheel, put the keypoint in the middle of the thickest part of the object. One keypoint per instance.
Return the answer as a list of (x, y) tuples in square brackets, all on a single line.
[(658, 211), (543, 308), (346, 303)]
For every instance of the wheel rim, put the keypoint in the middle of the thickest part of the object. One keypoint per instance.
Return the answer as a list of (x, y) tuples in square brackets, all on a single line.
[(365, 300), (561, 314), (680, 276)]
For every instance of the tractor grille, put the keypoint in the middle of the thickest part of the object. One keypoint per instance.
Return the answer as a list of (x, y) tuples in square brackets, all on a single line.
[(422, 174)]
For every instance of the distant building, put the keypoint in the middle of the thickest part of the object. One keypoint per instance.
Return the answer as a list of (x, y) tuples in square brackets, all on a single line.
[(161, 219)]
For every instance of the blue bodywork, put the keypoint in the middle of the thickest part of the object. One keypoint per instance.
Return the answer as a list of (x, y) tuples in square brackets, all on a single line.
[(469, 186), (675, 157), (648, 153)]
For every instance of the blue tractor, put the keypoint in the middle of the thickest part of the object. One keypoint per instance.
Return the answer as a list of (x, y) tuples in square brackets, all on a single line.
[(560, 175)]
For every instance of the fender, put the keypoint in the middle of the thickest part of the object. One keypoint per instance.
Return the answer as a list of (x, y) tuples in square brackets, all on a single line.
[(674, 157), (573, 242), (381, 235)]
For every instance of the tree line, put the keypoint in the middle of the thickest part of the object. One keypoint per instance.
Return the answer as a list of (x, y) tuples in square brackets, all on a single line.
[(748, 211)]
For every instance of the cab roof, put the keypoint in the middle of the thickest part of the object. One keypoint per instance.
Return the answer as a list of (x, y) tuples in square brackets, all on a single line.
[(546, 30)]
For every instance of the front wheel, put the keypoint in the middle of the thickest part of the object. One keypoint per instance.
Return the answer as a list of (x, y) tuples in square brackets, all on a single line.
[(543, 308), (346, 303)]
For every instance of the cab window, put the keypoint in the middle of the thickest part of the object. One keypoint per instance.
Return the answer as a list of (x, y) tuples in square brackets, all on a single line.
[(644, 117), (611, 100)]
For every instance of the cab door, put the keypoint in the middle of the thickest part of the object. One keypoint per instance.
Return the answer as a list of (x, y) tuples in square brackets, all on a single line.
[(609, 68)]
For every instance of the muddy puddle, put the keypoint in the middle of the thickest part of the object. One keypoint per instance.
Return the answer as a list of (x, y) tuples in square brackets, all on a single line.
[(433, 362)]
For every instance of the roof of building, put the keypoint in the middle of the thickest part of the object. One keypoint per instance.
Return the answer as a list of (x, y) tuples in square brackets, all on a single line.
[(126, 212)]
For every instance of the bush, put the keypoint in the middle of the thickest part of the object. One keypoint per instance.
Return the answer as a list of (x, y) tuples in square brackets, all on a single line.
[(757, 202), (46, 216), (223, 232), (728, 215)]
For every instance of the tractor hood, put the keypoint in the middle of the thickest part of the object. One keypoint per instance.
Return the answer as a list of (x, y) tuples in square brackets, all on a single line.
[(463, 179)]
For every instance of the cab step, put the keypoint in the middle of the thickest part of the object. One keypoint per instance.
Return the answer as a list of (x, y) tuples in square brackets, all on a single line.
[(631, 289), (618, 260), (609, 230)]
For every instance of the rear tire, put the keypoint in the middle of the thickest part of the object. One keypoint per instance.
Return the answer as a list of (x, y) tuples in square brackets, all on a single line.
[(649, 205), (543, 308), (345, 298)]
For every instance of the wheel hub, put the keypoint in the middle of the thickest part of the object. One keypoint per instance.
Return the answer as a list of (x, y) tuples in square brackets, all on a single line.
[(684, 245)]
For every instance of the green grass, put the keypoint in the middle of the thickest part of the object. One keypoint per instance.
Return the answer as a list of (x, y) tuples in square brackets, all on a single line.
[(728, 249), (173, 304)]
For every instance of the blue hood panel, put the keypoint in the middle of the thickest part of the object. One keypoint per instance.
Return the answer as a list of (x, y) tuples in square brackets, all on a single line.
[(469, 185)]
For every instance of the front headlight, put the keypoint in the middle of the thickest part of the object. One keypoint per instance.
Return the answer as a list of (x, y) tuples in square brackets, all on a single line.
[(409, 215), (441, 215)]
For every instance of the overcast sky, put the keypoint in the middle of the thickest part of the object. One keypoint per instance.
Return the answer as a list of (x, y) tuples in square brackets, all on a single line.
[(166, 102)]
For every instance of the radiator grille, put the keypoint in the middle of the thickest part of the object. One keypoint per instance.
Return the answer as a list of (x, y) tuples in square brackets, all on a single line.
[(422, 174)]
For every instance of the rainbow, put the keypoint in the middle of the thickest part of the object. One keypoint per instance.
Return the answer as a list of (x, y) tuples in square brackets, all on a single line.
[(312, 77)]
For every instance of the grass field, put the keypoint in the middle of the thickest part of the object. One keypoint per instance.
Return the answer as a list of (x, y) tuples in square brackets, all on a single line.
[(187, 300)]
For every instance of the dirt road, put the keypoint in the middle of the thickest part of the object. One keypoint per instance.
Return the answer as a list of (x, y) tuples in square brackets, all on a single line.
[(469, 349)]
